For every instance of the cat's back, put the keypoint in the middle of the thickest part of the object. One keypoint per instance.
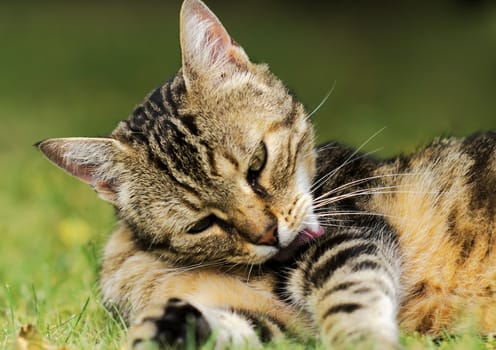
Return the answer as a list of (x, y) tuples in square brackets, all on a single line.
[(442, 203)]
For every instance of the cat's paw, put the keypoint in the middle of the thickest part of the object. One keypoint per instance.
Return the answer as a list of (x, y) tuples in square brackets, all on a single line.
[(172, 325)]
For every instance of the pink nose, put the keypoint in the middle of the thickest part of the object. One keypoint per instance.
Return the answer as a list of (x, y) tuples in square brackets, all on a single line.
[(270, 236)]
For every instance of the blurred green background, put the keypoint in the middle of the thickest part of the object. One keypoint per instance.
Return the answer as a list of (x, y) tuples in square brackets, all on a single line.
[(420, 69)]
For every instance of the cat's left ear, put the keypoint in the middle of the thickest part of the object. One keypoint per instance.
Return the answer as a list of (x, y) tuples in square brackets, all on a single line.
[(94, 161), (208, 52)]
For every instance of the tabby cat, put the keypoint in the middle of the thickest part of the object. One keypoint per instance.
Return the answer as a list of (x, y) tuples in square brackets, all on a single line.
[(221, 230)]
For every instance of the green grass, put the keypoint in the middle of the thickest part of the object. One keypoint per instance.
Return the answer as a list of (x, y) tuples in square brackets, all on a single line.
[(75, 69)]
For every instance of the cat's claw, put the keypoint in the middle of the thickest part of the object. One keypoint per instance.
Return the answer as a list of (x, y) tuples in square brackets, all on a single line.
[(172, 325)]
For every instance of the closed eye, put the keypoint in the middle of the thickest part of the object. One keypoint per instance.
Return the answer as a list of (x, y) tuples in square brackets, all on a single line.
[(202, 224)]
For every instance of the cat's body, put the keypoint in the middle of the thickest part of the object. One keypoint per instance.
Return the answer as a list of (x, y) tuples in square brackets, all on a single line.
[(440, 201), (211, 176)]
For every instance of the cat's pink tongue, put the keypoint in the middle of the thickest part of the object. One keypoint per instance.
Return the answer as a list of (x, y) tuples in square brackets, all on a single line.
[(308, 235), (303, 237)]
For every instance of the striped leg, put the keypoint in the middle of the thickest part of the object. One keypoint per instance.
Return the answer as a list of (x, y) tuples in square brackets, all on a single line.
[(180, 324), (351, 284), (173, 324)]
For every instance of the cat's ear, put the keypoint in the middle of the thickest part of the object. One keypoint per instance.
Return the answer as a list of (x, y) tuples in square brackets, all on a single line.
[(91, 160), (208, 52)]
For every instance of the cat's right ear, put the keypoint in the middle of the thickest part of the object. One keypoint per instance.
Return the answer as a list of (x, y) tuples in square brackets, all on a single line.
[(92, 160), (209, 54)]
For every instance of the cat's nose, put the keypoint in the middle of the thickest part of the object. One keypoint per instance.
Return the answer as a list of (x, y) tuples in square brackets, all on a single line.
[(270, 236)]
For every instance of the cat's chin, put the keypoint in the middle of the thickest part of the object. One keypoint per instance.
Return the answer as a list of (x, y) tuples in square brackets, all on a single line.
[(303, 238)]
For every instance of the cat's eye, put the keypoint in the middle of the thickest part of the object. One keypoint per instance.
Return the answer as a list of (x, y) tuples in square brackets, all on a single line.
[(202, 224), (257, 164), (258, 160)]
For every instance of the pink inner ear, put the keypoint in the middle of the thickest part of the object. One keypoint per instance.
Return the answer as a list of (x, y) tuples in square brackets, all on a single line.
[(88, 174), (85, 159), (217, 35), (105, 188), (224, 46), (84, 172)]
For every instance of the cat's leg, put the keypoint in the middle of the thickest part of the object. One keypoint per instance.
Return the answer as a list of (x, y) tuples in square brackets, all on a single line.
[(162, 303), (350, 282), (199, 315), (178, 322), (171, 324)]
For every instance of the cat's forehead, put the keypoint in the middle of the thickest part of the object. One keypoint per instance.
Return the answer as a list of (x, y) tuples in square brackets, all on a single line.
[(240, 102), (237, 114)]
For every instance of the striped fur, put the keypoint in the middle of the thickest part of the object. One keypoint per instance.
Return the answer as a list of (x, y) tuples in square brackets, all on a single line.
[(211, 179)]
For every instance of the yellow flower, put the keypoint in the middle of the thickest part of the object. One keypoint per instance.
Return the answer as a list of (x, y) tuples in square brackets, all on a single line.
[(73, 231)]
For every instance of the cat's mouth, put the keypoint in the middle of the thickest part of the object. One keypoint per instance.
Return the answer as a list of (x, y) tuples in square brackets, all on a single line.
[(303, 238)]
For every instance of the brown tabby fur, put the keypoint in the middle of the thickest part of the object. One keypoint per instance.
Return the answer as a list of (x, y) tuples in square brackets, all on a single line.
[(445, 218), (408, 241)]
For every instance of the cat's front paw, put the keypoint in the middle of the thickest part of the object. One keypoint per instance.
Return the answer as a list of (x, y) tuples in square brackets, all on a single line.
[(172, 325)]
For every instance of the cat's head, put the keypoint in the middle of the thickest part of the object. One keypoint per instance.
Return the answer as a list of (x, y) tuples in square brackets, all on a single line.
[(216, 164)]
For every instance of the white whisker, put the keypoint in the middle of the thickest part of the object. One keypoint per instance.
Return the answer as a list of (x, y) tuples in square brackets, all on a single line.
[(324, 100), (360, 192), (350, 159), (325, 147), (363, 213), (249, 273), (359, 182), (326, 177), (340, 198)]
